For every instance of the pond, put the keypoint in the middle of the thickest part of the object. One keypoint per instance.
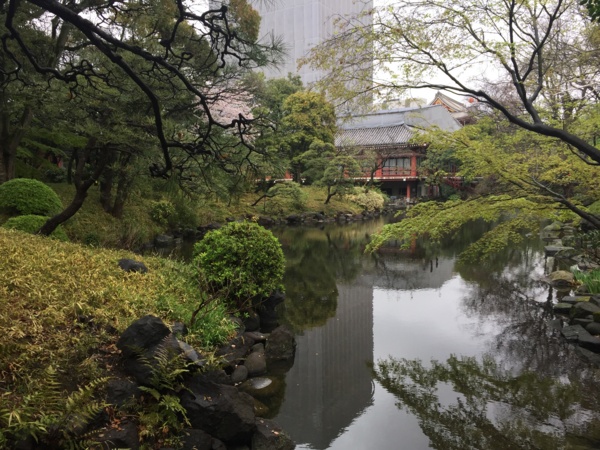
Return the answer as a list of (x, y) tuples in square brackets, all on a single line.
[(415, 350)]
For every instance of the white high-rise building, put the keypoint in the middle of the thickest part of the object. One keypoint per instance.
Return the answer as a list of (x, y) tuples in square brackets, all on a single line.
[(302, 24)]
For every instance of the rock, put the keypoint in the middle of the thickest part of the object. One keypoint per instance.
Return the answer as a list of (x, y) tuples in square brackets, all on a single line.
[(583, 310), (595, 299), (571, 332), (586, 340), (589, 356), (561, 279), (179, 329), (121, 391), (261, 387), (593, 328), (562, 308), (551, 250), (583, 322), (260, 347), (164, 240), (293, 219), (196, 440), (240, 374), (237, 349), (281, 345), (265, 221), (143, 366), (269, 436), (256, 363), (252, 322), (131, 265), (266, 310), (141, 335), (572, 299), (567, 254), (255, 336), (220, 410), (124, 436), (191, 354)]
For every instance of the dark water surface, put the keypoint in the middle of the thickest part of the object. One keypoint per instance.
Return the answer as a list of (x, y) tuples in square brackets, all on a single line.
[(412, 350)]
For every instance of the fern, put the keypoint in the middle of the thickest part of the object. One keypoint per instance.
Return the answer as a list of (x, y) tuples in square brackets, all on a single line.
[(47, 416)]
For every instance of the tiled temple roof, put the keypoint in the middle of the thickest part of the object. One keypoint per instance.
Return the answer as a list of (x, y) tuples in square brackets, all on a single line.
[(374, 137)]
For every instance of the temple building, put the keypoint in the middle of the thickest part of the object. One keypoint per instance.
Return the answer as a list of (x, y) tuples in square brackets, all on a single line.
[(388, 134)]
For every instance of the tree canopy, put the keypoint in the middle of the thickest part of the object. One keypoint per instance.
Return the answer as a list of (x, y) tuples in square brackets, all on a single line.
[(523, 59), (131, 72)]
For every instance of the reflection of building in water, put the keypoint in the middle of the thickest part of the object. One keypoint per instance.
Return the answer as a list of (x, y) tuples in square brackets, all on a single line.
[(330, 384)]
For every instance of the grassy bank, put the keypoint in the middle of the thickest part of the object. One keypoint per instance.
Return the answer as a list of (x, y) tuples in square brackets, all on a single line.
[(62, 306), (143, 219)]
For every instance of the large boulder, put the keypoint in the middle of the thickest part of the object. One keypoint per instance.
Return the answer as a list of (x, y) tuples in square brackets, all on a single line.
[(269, 436), (256, 363), (281, 345), (220, 410), (141, 335), (140, 344), (131, 265)]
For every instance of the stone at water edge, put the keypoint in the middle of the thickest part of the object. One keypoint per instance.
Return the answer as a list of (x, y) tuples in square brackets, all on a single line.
[(256, 363), (269, 436), (561, 279), (562, 308)]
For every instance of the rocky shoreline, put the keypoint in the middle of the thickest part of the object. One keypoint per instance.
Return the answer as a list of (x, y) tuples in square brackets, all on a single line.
[(221, 406), (578, 311), (176, 237)]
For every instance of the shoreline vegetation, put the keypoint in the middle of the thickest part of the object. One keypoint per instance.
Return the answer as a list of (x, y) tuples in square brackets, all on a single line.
[(63, 306)]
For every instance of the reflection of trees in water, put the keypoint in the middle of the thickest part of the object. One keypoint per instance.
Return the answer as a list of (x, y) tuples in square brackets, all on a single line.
[(316, 260), (510, 293), (493, 409)]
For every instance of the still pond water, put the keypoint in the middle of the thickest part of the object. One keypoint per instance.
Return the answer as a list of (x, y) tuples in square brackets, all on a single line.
[(412, 350)]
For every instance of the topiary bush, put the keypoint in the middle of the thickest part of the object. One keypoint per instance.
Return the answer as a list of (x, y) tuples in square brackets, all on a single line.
[(241, 260), (32, 223), (27, 196)]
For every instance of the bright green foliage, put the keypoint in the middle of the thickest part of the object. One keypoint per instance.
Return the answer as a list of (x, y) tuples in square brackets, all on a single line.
[(27, 196), (308, 118), (162, 212), (283, 197), (591, 280), (339, 175), (46, 286), (241, 260), (435, 220), (31, 224), (371, 200), (49, 415)]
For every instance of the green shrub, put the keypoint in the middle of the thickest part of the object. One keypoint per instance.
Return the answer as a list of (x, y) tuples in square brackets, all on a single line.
[(27, 196), (241, 260), (162, 212), (31, 223), (370, 200)]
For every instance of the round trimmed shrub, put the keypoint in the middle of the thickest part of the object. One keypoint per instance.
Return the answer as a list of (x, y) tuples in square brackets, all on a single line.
[(32, 223), (27, 196), (242, 260)]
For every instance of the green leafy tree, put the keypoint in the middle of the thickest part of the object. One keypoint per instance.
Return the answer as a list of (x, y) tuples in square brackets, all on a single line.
[(171, 59), (339, 176), (307, 118), (543, 70)]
